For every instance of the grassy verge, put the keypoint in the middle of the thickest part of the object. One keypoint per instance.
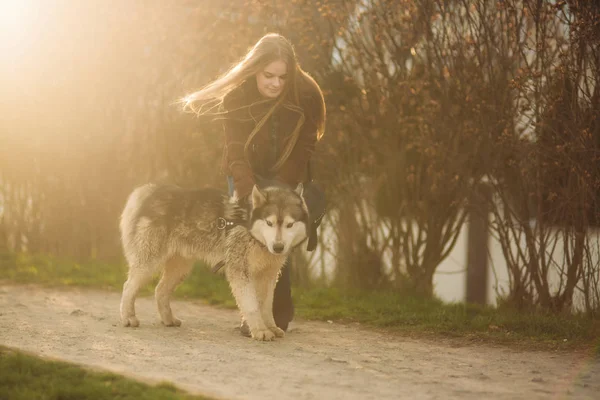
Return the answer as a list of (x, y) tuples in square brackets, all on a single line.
[(431, 318), (23, 377), (388, 310)]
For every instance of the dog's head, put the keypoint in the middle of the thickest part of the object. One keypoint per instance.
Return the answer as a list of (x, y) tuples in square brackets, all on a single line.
[(279, 217)]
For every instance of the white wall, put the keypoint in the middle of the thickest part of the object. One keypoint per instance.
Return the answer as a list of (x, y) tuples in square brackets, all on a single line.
[(450, 279)]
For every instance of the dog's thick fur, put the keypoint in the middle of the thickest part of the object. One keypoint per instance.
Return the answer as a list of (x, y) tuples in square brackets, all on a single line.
[(165, 228)]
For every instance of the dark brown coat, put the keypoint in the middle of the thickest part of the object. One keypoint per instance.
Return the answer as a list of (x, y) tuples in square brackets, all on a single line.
[(244, 108)]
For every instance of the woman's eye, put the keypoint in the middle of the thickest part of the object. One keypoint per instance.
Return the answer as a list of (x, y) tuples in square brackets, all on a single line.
[(269, 223), (290, 224)]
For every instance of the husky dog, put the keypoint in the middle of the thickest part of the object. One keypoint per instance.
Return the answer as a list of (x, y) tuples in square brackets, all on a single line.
[(165, 228)]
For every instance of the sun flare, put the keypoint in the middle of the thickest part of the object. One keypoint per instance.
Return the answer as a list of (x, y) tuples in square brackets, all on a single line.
[(15, 20)]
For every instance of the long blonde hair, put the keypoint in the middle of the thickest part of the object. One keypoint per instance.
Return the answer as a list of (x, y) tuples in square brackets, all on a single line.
[(269, 48)]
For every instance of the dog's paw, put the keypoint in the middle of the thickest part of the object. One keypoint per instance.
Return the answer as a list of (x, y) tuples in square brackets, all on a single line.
[(130, 321), (263, 334), (277, 331), (173, 322)]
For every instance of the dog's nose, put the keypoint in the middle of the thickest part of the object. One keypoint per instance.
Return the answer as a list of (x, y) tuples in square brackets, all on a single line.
[(278, 247)]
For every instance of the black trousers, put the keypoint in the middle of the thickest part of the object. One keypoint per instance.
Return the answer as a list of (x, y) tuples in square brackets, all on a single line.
[(283, 307)]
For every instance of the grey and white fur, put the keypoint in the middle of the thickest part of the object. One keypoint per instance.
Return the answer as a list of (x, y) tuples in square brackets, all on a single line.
[(166, 228)]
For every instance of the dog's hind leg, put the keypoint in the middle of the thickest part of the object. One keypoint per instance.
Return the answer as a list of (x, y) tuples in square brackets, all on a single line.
[(176, 270), (245, 296), (138, 276)]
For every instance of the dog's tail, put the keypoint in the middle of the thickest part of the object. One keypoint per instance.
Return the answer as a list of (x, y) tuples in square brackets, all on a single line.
[(129, 216)]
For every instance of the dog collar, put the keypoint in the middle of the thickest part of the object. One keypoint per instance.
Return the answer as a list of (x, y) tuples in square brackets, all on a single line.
[(222, 223), (226, 225)]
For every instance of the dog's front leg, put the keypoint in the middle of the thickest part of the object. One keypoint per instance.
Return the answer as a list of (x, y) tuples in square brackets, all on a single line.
[(245, 296), (265, 287)]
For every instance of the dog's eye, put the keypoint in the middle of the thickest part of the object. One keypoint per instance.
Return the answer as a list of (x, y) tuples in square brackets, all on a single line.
[(269, 223), (290, 224)]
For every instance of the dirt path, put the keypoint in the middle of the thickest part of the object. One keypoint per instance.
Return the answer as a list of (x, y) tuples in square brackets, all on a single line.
[(315, 360)]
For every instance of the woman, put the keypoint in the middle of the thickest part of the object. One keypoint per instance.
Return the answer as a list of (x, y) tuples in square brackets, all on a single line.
[(274, 113)]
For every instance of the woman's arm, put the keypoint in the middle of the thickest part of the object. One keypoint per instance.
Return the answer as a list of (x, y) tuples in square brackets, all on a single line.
[(236, 135), (235, 139), (293, 170)]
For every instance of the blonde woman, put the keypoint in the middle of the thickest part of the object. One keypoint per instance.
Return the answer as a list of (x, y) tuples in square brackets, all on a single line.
[(273, 113)]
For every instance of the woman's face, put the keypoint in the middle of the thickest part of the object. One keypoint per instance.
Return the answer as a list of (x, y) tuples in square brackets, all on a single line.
[(271, 80)]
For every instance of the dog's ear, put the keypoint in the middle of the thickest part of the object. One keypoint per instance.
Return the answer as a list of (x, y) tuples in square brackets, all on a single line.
[(299, 189), (258, 197)]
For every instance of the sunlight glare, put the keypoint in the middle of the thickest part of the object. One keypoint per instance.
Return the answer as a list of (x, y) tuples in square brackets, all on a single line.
[(15, 21)]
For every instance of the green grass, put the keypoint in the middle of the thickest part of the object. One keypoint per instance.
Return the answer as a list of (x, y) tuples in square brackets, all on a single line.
[(49, 271), (389, 310), (420, 317), (23, 377)]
